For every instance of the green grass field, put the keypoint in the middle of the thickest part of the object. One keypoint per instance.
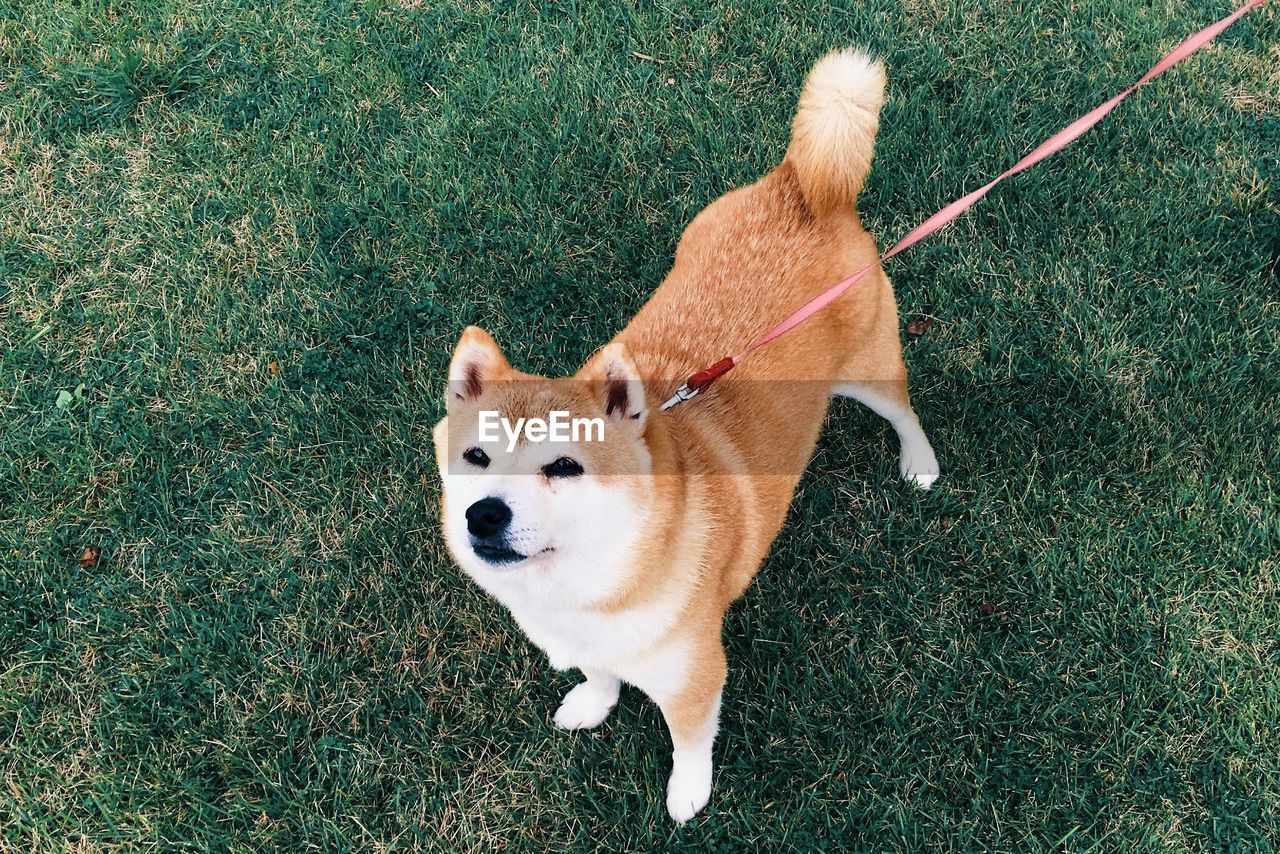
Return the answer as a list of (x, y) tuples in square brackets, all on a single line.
[(238, 241)]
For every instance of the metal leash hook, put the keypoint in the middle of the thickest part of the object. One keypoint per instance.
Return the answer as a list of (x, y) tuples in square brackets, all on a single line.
[(698, 382)]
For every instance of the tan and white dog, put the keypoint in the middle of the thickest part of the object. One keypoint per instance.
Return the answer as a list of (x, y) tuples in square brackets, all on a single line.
[(620, 557)]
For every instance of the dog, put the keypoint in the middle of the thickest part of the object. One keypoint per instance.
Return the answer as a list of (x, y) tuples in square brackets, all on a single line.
[(619, 557)]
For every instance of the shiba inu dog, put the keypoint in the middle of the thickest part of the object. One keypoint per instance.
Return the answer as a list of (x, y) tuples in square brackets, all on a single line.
[(619, 556)]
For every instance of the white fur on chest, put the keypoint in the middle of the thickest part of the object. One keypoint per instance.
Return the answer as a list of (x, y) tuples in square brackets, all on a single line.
[(577, 635)]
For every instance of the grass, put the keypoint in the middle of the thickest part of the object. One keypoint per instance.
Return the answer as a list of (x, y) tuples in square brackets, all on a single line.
[(238, 242)]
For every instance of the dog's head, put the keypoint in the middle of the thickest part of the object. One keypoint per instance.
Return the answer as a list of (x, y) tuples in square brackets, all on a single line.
[(540, 475)]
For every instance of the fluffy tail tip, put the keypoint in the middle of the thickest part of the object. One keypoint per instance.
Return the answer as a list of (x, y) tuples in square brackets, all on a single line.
[(833, 137)]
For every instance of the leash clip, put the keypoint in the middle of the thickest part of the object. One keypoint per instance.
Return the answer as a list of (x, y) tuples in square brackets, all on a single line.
[(681, 395), (698, 382)]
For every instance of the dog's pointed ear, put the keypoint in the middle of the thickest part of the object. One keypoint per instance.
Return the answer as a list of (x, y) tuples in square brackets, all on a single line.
[(477, 360), (620, 385)]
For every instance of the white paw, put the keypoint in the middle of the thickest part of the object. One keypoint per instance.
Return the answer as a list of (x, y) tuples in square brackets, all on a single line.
[(689, 789), (919, 466), (921, 479), (584, 707)]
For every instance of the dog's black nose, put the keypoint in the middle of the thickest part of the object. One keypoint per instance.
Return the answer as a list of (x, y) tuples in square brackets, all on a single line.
[(487, 517)]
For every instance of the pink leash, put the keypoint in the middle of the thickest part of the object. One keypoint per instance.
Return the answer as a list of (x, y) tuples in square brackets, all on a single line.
[(1060, 140)]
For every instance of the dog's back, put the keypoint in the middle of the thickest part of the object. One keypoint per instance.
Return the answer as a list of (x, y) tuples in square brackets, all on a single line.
[(743, 264)]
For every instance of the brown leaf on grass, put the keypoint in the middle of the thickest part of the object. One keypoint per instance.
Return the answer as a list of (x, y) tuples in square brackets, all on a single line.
[(919, 325), (89, 559), (273, 368)]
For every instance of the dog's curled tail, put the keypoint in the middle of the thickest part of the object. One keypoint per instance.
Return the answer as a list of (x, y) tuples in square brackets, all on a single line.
[(833, 136)]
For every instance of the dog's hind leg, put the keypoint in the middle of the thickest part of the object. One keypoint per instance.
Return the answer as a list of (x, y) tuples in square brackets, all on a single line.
[(875, 375), (916, 460), (589, 703)]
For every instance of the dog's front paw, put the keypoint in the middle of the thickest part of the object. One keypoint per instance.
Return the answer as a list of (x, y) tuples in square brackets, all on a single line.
[(585, 706), (689, 788)]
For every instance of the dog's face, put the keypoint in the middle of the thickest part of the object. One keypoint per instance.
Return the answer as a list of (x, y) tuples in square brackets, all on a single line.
[(559, 505)]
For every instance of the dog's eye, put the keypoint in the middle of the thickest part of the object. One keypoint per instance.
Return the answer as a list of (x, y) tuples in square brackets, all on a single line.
[(476, 457), (563, 467)]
